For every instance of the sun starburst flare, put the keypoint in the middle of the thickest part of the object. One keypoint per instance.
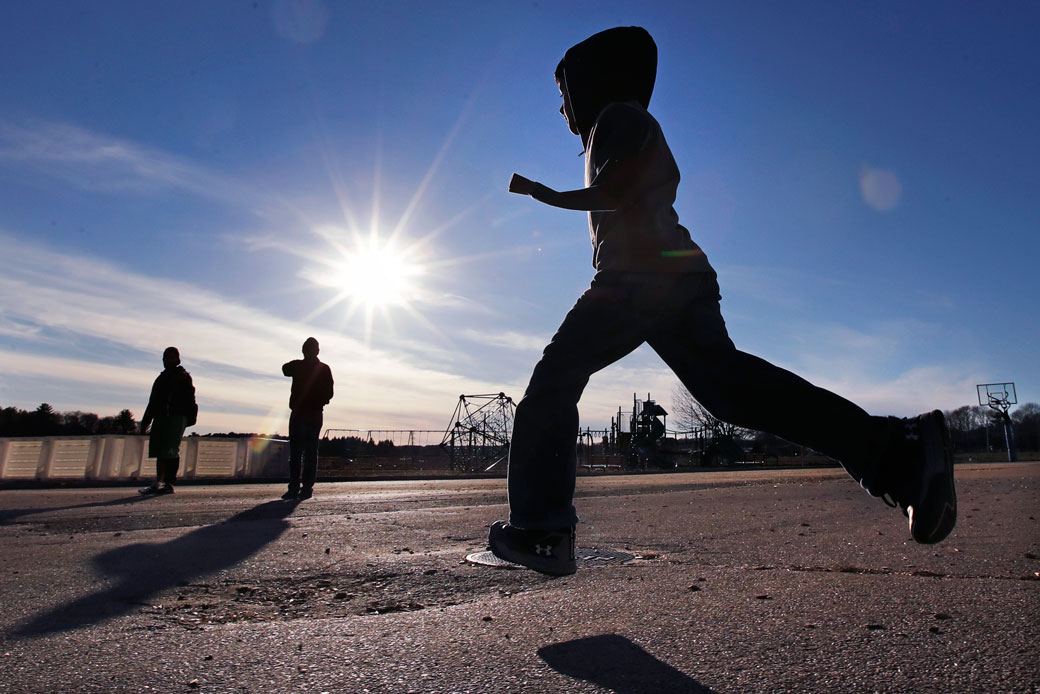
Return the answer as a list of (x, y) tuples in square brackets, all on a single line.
[(375, 274), (368, 274)]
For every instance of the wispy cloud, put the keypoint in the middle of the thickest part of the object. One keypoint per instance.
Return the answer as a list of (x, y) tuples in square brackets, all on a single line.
[(917, 390), (846, 343), (97, 162), (879, 365), (507, 340), (10, 328), (774, 286), (521, 211)]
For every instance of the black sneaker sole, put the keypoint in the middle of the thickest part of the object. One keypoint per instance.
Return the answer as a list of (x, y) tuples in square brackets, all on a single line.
[(934, 518)]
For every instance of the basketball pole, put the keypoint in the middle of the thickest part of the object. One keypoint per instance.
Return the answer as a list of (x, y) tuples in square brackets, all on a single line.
[(1009, 438)]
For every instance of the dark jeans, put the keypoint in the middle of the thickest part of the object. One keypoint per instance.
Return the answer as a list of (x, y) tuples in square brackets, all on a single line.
[(304, 430), (679, 317), (166, 470)]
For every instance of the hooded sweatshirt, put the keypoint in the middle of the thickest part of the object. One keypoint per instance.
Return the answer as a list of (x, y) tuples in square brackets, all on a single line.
[(609, 78)]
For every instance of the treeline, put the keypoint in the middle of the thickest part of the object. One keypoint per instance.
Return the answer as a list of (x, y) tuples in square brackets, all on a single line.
[(44, 421), (343, 447), (355, 447), (972, 428), (976, 428)]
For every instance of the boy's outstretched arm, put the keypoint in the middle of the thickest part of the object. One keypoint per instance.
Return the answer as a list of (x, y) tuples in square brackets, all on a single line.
[(595, 198)]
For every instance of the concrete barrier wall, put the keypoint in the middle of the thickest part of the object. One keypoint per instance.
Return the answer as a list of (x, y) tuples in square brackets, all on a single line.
[(111, 458)]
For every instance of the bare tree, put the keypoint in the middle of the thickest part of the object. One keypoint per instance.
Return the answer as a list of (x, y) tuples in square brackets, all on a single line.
[(1027, 426), (960, 419), (690, 415), (1025, 411)]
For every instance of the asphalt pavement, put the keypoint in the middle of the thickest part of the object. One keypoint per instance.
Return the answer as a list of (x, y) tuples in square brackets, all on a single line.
[(741, 582)]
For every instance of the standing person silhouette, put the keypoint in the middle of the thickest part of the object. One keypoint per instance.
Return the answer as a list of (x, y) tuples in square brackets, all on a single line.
[(171, 408), (653, 284), (311, 391)]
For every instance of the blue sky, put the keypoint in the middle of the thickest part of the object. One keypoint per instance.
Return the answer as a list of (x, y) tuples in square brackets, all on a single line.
[(863, 176)]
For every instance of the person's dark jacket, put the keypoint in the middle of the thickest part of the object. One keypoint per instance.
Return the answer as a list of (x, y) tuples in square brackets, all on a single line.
[(173, 394), (311, 385)]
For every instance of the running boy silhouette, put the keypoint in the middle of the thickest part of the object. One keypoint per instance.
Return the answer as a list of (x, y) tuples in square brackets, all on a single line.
[(653, 284)]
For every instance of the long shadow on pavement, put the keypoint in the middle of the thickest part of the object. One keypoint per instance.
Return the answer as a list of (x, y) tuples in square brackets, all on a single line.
[(146, 569), (8, 515), (613, 662)]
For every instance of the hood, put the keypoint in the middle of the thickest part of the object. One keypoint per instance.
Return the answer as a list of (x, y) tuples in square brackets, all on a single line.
[(618, 64)]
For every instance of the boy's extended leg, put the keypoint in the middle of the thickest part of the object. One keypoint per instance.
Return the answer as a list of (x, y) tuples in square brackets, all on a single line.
[(913, 467)]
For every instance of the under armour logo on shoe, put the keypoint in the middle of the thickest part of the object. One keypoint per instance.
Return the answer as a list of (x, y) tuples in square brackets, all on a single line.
[(911, 431), (543, 549)]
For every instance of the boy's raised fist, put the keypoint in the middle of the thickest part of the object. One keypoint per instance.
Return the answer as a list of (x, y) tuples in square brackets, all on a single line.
[(519, 184)]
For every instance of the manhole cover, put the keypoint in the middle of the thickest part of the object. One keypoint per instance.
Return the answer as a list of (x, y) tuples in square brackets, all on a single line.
[(586, 557), (598, 556)]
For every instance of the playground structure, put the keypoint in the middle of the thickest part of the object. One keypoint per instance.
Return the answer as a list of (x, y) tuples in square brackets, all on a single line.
[(640, 439), (477, 440), (1000, 397), (477, 437)]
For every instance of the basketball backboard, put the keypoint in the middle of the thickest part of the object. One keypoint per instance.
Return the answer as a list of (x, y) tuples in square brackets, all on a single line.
[(997, 395)]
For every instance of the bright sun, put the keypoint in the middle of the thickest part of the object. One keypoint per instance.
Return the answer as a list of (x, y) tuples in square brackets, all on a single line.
[(369, 274), (375, 276)]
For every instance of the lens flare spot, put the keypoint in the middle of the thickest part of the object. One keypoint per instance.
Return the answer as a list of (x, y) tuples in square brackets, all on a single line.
[(881, 189), (300, 21)]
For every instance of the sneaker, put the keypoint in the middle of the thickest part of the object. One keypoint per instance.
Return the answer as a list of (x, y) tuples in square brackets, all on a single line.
[(305, 493), (164, 489), (548, 551), (290, 495), (925, 489), (150, 489)]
